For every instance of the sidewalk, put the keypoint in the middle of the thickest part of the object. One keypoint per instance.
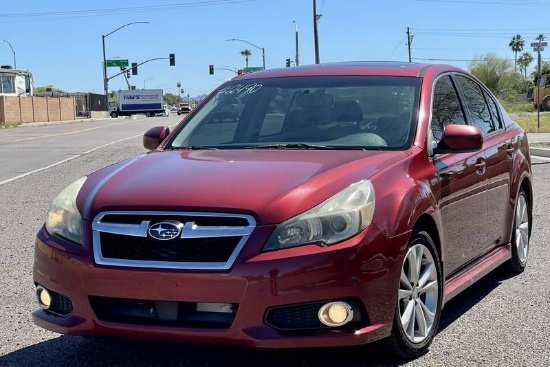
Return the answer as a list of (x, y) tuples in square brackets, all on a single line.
[(538, 137), (539, 144)]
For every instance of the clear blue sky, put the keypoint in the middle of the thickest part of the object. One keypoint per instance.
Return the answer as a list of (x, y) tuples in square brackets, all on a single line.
[(59, 41)]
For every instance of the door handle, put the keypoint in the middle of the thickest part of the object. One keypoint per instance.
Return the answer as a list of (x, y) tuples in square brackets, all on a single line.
[(510, 150), (480, 167)]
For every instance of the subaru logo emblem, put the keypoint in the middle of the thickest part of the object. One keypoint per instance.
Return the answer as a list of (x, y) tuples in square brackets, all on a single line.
[(166, 230)]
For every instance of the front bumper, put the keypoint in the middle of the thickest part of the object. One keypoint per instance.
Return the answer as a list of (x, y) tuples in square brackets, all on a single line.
[(364, 268)]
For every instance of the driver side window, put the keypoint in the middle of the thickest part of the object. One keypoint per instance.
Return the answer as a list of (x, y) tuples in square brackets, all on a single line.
[(479, 110), (446, 107)]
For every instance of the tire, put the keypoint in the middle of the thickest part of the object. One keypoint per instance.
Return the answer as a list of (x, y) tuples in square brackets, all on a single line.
[(114, 115), (420, 295), (148, 114), (545, 104), (521, 232)]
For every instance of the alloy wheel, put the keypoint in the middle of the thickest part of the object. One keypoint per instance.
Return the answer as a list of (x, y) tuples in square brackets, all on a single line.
[(522, 229), (418, 293)]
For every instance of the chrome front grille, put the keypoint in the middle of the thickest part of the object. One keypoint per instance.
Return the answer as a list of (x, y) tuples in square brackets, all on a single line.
[(207, 240)]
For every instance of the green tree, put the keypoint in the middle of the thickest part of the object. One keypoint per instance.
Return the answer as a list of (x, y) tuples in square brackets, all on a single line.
[(493, 71), (246, 53), (171, 99), (523, 61), (516, 44), (540, 37), (544, 68)]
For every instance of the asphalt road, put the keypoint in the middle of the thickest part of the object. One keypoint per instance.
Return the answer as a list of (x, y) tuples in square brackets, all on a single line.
[(499, 321)]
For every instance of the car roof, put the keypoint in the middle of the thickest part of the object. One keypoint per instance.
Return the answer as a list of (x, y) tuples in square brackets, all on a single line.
[(383, 68)]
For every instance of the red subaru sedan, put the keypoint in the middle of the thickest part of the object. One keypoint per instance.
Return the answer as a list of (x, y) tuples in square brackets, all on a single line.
[(340, 204)]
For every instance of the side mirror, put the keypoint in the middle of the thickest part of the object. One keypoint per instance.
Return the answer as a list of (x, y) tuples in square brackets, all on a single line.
[(460, 139), (154, 136)]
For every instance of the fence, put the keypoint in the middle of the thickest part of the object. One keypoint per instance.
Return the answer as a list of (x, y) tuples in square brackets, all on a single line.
[(89, 104), (51, 108)]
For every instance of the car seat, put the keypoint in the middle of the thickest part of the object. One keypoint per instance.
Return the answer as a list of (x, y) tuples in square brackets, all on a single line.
[(346, 110)]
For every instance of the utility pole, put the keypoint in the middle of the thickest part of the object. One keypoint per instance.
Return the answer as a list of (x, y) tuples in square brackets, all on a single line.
[(409, 41), (296, 58), (315, 19)]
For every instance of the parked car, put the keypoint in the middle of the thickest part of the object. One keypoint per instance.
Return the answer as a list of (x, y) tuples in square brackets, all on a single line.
[(347, 204)]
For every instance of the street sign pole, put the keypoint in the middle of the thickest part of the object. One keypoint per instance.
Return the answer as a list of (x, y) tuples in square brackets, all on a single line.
[(538, 47)]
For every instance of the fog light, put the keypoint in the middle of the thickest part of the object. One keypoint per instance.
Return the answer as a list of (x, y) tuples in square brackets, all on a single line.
[(335, 314), (43, 297)]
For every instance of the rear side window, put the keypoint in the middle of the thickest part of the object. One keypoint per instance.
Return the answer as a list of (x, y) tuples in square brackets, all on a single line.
[(446, 108), (494, 112), (477, 105)]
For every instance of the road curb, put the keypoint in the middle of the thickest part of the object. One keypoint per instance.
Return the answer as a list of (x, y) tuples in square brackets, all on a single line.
[(540, 152)]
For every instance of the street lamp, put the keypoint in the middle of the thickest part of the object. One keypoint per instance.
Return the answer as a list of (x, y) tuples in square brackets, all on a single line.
[(251, 44), (12, 50), (146, 80), (103, 36)]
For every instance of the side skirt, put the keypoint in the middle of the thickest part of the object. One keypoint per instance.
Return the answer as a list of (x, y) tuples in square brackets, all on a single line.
[(475, 271)]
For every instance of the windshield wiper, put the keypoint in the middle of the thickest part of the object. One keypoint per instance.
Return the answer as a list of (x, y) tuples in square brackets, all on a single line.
[(192, 147), (290, 146)]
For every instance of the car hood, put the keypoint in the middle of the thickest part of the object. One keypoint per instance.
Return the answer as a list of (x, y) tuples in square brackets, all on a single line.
[(270, 185)]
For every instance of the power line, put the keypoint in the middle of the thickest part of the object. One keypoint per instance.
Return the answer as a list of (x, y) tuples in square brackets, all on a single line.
[(396, 47), (15, 17), (491, 2)]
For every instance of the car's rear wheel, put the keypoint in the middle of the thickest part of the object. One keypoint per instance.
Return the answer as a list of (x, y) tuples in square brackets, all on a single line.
[(419, 298), (520, 235)]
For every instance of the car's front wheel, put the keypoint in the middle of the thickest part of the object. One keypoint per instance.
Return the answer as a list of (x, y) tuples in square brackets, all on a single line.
[(520, 235), (419, 300)]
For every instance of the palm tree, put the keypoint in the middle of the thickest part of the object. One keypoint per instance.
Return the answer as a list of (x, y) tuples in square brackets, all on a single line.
[(523, 61), (246, 53), (516, 44), (540, 37)]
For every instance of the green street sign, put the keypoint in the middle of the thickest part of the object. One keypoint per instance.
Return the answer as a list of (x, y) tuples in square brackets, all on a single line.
[(252, 68), (117, 63)]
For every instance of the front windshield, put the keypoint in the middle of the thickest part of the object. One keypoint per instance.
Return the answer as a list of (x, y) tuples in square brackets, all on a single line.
[(328, 112)]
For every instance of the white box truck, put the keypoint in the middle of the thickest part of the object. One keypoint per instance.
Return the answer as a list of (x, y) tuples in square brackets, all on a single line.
[(130, 102)]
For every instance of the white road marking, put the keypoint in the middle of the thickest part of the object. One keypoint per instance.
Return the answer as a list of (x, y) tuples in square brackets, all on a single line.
[(64, 160)]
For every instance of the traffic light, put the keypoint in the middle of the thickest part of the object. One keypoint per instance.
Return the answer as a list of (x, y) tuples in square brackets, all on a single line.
[(172, 58), (128, 73), (287, 63), (134, 68), (211, 69)]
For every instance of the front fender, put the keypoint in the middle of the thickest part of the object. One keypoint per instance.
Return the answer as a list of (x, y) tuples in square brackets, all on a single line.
[(405, 192)]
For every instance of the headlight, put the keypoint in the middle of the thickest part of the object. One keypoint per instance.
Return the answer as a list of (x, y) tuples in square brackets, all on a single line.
[(340, 217), (64, 219)]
